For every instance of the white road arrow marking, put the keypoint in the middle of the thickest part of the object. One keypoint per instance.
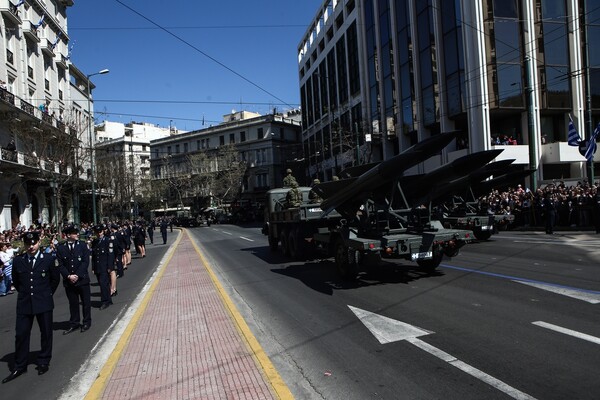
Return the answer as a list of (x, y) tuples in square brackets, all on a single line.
[(588, 296), (569, 332), (245, 238), (388, 330)]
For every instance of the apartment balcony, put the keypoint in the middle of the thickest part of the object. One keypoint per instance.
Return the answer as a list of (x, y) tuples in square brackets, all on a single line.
[(48, 48), (62, 62), (28, 108), (518, 152), (30, 31), (10, 12), (561, 152), (7, 97)]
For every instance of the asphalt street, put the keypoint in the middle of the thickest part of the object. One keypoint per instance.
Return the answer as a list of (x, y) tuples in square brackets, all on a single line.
[(513, 317), (71, 351)]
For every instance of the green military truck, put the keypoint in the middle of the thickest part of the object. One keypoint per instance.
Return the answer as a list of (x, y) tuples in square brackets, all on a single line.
[(375, 234)]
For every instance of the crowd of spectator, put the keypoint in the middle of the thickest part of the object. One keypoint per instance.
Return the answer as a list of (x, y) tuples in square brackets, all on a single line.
[(577, 206)]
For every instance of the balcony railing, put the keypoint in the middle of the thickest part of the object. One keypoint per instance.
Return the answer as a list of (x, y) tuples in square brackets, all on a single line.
[(7, 96), (31, 32), (47, 118), (28, 108)]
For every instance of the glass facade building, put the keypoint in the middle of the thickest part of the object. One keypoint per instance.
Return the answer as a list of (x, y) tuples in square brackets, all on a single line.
[(377, 76)]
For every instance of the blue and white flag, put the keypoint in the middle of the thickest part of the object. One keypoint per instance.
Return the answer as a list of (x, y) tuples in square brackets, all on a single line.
[(573, 138), (40, 21), (56, 41), (19, 3), (591, 149)]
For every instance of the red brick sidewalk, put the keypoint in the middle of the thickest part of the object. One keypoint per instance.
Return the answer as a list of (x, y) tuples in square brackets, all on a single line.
[(185, 344)]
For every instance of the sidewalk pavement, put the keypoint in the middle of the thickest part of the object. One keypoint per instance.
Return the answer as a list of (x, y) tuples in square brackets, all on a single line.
[(186, 340)]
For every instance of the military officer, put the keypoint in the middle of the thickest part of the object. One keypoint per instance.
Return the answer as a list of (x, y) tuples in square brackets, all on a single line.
[(103, 262), (73, 258), (36, 277)]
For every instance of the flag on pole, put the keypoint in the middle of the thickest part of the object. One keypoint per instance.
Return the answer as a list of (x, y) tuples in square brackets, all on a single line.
[(40, 22), (56, 41), (591, 149), (573, 138)]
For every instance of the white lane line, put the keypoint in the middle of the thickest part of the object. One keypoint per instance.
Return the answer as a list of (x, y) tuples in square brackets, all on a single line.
[(245, 238), (555, 243), (388, 330), (227, 233), (474, 372), (590, 297), (569, 332)]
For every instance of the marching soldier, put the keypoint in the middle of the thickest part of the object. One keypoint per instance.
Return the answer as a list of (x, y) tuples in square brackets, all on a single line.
[(103, 262), (36, 277), (73, 258)]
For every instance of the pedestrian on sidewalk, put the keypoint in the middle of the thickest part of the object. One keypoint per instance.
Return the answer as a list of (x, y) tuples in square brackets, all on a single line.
[(36, 278), (73, 258)]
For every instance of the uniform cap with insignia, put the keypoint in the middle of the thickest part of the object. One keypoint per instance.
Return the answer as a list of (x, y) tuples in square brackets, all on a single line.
[(31, 238), (70, 229)]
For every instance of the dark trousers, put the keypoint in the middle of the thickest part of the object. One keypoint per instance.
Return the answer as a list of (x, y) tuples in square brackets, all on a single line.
[(104, 283), (23, 337), (76, 294), (164, 237), (151, 236), (119, 263)]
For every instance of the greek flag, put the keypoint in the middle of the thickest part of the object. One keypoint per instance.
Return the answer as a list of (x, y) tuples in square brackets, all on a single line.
[(573, 138), (19, 3), (40, 21), (591, 149)]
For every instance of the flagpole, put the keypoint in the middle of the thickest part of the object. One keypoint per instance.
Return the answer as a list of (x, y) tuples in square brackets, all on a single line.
[(588, 98)]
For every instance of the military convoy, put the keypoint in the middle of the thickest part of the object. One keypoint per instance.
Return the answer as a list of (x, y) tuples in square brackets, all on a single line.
[(376, 213)]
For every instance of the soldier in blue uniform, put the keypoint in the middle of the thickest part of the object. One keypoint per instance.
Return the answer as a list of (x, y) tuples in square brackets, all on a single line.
[(36, 277), (73, 258), (103, 262)]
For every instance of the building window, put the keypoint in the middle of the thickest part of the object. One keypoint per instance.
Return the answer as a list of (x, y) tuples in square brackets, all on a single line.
[(221, 140), (176, 149), (169, 150), (156, 153), (198, 145), (242, 136), (232, 138), (260, 133), (185, 148)]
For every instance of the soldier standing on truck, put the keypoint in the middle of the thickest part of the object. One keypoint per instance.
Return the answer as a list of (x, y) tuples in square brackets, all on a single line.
[(294, 196), (313, 197), (288, 179)]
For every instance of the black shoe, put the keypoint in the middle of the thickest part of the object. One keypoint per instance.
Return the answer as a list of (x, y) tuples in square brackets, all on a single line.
[(14, 375), (42, 369), (71, 330), (84, 328), (105, 306), (115, 293)]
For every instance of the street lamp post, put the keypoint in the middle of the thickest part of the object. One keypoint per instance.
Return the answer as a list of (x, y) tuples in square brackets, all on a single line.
[(89, 106)]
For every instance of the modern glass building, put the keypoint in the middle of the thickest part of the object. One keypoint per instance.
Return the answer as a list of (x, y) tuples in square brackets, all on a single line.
[(377, 76)]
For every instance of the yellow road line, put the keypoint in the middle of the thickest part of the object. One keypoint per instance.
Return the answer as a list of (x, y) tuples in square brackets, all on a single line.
[(106, 372), (279, 386)]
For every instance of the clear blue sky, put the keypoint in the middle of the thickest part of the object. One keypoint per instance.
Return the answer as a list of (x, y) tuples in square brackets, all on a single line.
[(209, 58)]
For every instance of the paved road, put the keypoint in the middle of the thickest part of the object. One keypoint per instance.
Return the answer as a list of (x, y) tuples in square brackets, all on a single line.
[(71, 351), (514, 317)]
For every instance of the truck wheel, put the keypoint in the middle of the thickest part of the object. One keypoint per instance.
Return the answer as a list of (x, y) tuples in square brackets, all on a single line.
[(285, 245), (296, 245), (481, 235), (345, 261), (430, 265), (273, 242)]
